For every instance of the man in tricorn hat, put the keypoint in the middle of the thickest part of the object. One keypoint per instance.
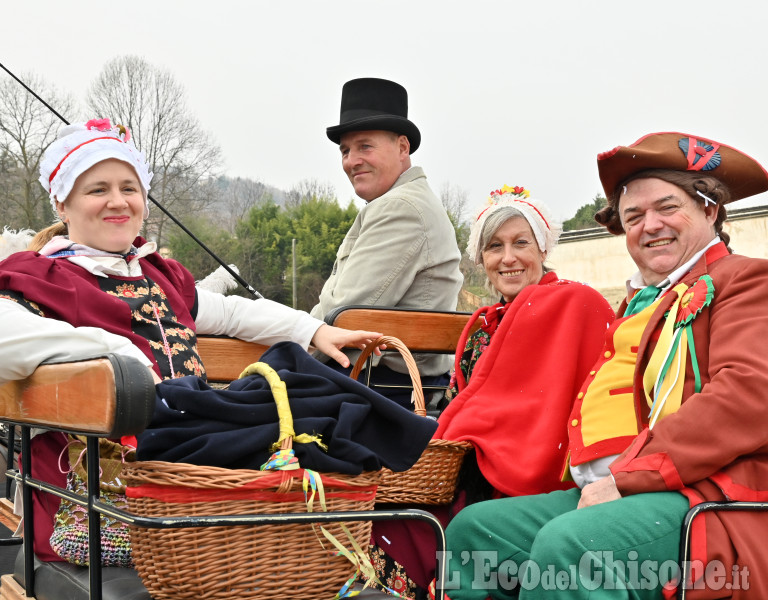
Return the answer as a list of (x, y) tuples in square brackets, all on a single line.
[(401, 250), (673, 413)]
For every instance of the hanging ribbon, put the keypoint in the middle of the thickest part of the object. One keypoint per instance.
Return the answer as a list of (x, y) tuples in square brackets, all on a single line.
[(282, 460), (665, 374), (313, 486), (365, 568)]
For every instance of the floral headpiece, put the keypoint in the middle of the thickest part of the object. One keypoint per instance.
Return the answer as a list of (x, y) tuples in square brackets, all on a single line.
[(535, 212), (80, 146)]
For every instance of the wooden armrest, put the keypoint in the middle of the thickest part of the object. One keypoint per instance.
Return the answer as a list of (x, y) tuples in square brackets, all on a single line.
[(225, 358), (419, 330), (111, 396)]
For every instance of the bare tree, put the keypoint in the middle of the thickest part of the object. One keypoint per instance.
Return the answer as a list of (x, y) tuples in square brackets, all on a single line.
[(240, 196), (308, 189), (232, 199), (152, 104), (27, 128), (454, 199)]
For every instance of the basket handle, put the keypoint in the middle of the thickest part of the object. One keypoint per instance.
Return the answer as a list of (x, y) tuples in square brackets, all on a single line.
[(392, 342), (280, 394)]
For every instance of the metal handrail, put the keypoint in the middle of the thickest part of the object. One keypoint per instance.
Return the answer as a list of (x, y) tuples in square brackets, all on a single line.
[(96, 508)]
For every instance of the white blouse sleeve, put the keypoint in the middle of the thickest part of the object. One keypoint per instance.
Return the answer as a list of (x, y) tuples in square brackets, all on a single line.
[(262, 320), (27, 339)]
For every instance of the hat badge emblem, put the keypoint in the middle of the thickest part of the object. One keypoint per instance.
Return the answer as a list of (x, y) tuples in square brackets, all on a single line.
[(701, 155)]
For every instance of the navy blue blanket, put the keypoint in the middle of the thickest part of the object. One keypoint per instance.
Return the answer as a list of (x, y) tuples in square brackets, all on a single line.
[(234, 428)]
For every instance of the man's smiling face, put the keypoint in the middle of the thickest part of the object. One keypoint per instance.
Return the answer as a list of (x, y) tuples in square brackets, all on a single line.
[(665, 227), (373, 160)]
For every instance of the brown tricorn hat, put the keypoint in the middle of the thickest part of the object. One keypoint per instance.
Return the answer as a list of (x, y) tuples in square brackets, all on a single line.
[(683, 152)]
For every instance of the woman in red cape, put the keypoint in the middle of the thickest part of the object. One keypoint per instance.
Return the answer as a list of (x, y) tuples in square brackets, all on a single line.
[(515, 378)]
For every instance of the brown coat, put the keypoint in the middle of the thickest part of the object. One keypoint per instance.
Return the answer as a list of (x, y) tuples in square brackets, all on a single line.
[(715, 447)]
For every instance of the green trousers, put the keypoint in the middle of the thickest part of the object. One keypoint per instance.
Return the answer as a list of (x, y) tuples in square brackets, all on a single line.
[(543, 547)]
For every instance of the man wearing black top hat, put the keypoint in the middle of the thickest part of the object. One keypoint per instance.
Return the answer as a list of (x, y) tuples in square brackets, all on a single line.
[(401, 250)]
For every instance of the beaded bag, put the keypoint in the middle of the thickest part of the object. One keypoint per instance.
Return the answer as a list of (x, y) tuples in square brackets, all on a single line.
[(70, 529)]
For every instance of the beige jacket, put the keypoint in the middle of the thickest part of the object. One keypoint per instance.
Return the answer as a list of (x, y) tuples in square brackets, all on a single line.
[(400, 252)]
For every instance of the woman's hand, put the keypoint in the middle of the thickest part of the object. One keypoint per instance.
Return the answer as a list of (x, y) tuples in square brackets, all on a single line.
[(330, 340)]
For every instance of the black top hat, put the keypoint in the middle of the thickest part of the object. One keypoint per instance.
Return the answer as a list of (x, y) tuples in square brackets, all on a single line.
[(374, 104)]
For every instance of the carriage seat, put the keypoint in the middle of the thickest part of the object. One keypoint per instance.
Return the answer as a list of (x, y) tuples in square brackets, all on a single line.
[(64, 581), (55, 397)]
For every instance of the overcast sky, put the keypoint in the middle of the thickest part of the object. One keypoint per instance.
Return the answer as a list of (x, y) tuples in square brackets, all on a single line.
[(522, 93)]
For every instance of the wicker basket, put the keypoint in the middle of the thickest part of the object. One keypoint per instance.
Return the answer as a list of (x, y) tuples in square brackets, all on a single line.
[(432, 480), (263, 562)]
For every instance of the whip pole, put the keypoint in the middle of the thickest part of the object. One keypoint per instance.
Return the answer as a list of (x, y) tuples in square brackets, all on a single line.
[(199, 242)]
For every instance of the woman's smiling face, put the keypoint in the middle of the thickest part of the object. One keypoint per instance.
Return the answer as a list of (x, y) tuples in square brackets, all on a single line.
[(512, 259), (105, 209)]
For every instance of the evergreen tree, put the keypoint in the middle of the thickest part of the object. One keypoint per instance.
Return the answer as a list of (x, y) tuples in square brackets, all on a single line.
[(319, 226), (263, 250), (585, 216), (188, 252)]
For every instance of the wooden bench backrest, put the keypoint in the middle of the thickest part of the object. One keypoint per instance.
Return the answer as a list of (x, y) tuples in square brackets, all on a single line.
[(420, 331), (63, 394), (225, 358)]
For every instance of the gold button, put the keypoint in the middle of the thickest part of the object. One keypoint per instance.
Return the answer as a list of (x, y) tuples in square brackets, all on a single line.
[(607, 354), (575, 422), (580, 395)]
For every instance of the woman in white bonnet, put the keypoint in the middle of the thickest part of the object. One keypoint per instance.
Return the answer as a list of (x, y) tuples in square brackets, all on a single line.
[(90, 286), (515, 378), (522, 368)]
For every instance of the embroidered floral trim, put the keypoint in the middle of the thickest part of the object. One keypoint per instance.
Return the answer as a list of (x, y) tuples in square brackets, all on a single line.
[(515, 191), (694, 300), (476, 345), (20, 299), (142, 297), (391, 574)]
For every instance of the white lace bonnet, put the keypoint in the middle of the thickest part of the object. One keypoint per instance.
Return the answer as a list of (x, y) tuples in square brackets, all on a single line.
[(80, 146), (546, 231)]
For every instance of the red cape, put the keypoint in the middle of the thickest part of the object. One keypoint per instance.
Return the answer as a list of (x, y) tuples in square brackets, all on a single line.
[(515, 408)]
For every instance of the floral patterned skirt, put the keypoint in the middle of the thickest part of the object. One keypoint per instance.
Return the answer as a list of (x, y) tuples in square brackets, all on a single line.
[(393, 575)]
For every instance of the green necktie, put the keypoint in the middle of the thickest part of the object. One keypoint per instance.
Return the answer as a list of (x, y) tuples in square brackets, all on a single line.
[(642, 299)]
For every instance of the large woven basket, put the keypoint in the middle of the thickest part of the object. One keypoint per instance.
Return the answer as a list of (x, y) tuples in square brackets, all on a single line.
[(432, 480), (263, 562)]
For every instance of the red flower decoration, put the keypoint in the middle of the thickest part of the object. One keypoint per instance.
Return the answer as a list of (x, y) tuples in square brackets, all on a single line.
[(99, 124), (127, 291), (694, 299)]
